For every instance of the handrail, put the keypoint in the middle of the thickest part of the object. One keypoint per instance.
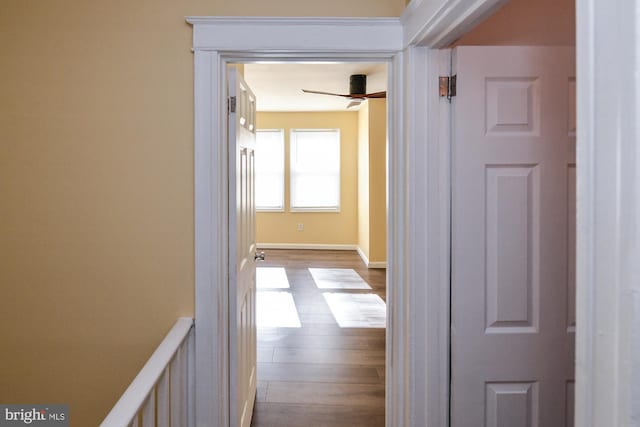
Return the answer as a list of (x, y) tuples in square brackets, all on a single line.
[(128, 407)]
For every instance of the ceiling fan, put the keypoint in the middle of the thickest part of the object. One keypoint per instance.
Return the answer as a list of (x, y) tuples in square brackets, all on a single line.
[(357, 91)]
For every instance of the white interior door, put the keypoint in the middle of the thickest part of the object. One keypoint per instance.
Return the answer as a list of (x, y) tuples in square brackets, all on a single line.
[(242, 269), (513, 237)]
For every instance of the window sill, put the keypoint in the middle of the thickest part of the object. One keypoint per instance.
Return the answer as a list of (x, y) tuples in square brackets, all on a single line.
[(315, 210), (266, 210)]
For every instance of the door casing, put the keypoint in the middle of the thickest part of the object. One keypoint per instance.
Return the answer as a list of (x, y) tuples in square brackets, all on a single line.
[(380, 41)]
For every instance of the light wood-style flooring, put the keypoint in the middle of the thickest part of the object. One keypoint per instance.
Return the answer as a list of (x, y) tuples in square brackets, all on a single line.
[(321, 374)]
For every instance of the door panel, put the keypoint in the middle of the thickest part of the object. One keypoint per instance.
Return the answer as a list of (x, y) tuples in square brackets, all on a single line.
[(242, 281), (513, 232), (512, 207)]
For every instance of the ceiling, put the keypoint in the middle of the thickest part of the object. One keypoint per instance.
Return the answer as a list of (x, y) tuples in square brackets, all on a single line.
[(278, 87)]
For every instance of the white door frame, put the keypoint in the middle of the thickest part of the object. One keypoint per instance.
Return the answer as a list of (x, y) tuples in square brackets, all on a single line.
[(608, 206), (418, 252), (217, 42)]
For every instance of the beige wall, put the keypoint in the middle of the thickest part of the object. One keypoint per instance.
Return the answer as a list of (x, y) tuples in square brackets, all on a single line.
[(377, 180), (96, 178), (527, 22), (372, 164), (363, 178), (319, 227), (377, 8)]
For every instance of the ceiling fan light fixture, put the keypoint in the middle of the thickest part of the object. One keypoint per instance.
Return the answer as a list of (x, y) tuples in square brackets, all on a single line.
[(357, 91), (357, 84)]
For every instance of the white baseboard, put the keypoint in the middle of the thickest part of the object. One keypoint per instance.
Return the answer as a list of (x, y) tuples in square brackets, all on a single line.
[(378, 264), (327, 247), (318, 246), (363, 256), (369, 264)]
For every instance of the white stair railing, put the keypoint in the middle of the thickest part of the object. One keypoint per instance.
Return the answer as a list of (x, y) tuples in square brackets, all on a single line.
[(162, 394)]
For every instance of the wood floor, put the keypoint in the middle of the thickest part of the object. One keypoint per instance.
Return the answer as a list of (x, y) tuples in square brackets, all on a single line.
[(321, 374)]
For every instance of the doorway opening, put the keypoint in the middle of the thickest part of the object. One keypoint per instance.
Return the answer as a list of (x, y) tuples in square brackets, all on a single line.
[(321, 297)]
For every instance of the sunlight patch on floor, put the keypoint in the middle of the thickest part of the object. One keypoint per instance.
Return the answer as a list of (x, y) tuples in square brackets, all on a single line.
[(357, 310), (271, 278), (276, 310), (338, 278)]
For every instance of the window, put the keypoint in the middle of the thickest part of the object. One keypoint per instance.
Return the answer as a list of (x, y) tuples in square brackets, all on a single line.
[(270, 170), (315, 170)]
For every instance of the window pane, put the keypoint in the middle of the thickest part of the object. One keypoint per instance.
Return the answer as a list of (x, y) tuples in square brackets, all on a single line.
[(269, 170), (315, 169)]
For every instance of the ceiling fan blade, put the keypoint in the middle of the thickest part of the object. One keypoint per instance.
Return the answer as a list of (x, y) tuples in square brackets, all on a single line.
[(325, 93), (354, 104), (382, 94)]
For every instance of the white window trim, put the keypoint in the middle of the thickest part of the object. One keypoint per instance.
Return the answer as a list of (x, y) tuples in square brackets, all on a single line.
[(267, 210), (316, 209), (284, 173)]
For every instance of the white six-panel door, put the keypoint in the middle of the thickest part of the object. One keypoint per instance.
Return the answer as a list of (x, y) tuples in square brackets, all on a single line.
[(513, 237), (242, 269)]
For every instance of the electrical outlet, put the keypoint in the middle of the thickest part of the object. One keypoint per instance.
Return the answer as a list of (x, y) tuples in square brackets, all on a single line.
[(300, 227)]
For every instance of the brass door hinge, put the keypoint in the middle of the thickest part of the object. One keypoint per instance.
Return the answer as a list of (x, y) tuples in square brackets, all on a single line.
[(448, 86)]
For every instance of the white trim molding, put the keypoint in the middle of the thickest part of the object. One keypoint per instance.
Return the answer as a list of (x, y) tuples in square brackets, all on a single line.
[(428, 256), (398, 384), (369, 264), (211, 201), (324, 247), (331, 35), (608, 210), (377, 264), (316, 246), (438, 23)]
